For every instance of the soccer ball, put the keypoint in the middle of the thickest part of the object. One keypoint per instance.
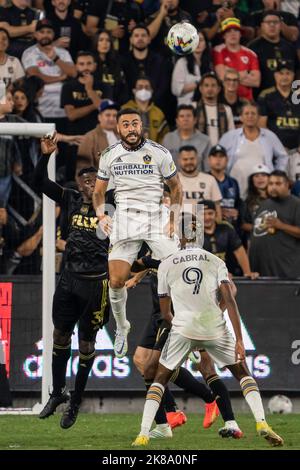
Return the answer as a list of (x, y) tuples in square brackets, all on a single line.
[(280, 404), (183, 38)]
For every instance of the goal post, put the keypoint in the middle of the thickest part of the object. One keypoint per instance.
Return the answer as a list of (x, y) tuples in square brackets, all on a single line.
[(39, 130)]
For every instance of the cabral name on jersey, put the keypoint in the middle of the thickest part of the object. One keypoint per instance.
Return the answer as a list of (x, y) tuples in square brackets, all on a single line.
[(183, 259)]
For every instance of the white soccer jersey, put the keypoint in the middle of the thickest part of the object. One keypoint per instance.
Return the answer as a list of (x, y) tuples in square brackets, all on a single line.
[(191, 278), (11, 70), (49, 102), (138, 174)]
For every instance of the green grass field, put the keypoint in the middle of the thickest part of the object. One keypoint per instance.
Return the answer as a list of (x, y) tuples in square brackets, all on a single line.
[(116, 431)]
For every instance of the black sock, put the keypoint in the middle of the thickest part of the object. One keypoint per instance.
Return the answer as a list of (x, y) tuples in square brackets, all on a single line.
[(184, 379), (160, 417), (84, 367), (222, 397), (60, 357), (170, 403)]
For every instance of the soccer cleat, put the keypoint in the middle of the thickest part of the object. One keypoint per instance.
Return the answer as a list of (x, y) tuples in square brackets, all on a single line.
[(161, 431), (211, 414), (53, 403), (141, 441), (235, 433), (264, 430), (69, 416), (121, 345), (176, 418)]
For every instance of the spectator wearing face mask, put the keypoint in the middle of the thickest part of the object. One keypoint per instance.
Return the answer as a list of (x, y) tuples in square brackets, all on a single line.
[(154, 121)]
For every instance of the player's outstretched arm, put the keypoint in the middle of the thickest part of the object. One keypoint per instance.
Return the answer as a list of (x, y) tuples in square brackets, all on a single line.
[(234, 316), (41, 180)]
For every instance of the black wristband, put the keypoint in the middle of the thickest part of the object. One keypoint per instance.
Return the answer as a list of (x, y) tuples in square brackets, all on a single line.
[(56, 58)]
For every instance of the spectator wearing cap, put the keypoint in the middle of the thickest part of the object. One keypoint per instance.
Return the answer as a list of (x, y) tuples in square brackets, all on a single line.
[(288, 28), (229, 95), (279, 112), (81, 97), (213, 118), (68, 32), (221, 239), (20, 21), (53, 65), (96, 140), (256, 193), (154, 122), (232, 55), (228, 186), (249, 146), (270, 48), (275, 240), (196, 185), (187, 134)]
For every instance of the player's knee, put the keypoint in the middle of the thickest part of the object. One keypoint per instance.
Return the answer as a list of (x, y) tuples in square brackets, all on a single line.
[(116, 282), (138, 361), (61, 338), (86, 347)]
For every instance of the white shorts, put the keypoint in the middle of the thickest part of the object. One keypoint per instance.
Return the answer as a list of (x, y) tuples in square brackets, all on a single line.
[(133, 227), (178, 347)]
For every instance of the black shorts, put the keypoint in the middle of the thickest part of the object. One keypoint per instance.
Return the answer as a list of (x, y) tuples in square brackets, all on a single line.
[(155, 334), (83, 300), (150, 332), (162, 335)]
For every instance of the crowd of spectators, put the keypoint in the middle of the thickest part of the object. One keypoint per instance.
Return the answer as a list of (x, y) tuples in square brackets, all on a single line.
[(229, 113)]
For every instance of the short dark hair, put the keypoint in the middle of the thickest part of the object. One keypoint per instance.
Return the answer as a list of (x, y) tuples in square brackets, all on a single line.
[(143, 77), (186, 107), (90, 169), (128, 111), (253, 104), (280, 174), (210, 75), (85, 54), (140, 26), (266, 13), (188, 148), (3, 30)]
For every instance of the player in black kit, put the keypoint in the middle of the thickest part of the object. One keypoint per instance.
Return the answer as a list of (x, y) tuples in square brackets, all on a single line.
[(81, 294)]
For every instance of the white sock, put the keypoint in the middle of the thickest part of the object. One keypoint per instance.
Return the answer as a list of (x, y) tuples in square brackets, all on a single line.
[(118, 299), (253, 398), (153, 400), (231, 424)]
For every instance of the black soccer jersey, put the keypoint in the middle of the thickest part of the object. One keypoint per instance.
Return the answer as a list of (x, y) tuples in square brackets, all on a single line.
[(222, 243), (85, 252), (283, 116)]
